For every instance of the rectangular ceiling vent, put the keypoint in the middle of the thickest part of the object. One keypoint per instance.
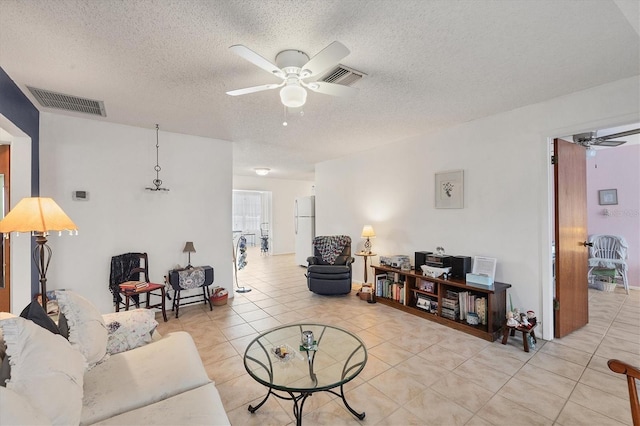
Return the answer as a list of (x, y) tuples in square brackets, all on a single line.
[(55, 100), (343, 75)]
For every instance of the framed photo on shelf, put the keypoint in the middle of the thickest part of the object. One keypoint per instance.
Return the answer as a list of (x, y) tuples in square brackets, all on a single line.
[(607, 197), (449, 189)]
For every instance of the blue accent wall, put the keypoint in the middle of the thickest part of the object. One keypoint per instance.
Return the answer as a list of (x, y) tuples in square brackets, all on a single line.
[(16, 107)]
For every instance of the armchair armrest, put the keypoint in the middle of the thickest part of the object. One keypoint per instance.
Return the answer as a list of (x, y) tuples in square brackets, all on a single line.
[(350, 261), (312, 260)]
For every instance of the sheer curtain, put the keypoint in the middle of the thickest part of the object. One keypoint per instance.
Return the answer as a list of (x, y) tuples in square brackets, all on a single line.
[(247, 211)]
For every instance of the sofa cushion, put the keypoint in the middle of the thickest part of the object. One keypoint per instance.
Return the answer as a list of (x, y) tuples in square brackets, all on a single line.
[(142, 376), (16, 410), (200, 406), (129, 329), (87, 331), (45, 369)]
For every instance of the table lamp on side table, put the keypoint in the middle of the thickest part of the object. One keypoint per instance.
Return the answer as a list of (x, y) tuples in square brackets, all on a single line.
[(189, 248), (39, 216), (368, 232)]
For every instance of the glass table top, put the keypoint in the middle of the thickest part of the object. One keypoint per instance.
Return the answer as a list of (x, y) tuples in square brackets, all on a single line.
[(278, 360)]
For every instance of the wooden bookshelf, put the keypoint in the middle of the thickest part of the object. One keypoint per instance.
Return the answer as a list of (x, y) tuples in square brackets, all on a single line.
[(417, 289)]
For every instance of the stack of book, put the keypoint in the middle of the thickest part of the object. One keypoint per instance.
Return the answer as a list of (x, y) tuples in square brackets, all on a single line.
[(133, 285), (451, 306)]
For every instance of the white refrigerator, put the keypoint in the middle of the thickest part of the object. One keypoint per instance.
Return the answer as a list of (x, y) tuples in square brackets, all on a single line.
[(305, 228)]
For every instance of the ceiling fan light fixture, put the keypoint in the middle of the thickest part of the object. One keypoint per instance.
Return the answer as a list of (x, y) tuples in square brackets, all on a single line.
[(262, 171), (293, 95)]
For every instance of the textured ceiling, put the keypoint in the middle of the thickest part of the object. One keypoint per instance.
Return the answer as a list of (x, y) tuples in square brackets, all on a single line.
[(430, 64)]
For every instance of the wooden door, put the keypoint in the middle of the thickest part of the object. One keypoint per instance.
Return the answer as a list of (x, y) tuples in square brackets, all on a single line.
[(5, 279), (571, 295)]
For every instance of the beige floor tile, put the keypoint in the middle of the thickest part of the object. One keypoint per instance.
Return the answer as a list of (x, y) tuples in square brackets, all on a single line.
[(567, 353), (366, 398), (237, 331), (482, 375), (542, 378), (602, 402), (557, 365), (502, 363), (469, 395), (226, 369), (374, 367), (214, 353), (615, 384), (435, 409), (390, 353), (397, 385), (575, 415), (403, 417), (533, 398), (437, 355), (502, 411), (270, 414), (330, 414)]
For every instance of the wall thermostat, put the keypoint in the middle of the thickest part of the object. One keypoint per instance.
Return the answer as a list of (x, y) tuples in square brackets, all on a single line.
[(81, 195)]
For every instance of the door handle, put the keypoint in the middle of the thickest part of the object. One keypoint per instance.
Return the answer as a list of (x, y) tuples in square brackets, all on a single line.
[(586, 244)]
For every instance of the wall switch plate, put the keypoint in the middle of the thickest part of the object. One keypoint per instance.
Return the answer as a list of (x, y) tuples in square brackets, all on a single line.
[(80, 195)]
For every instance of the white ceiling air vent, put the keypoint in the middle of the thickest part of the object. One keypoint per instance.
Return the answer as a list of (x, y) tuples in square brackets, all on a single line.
[(343, 75), (55, 100)]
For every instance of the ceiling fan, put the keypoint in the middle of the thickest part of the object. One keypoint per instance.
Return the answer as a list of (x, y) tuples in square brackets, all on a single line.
[(294, 67), (592, 139)]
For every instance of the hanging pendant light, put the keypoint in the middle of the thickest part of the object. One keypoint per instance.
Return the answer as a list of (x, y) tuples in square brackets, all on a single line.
[(157, 182)]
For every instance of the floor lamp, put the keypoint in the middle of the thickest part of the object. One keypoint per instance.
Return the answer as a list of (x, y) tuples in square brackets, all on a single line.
[(38, 216)]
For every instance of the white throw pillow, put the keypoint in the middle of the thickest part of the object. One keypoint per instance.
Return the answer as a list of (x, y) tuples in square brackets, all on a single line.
[(129, 329), (45, 370), (87, 331)]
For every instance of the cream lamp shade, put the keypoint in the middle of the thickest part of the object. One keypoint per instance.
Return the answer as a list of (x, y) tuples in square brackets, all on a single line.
[(368, 232), (37, 214)]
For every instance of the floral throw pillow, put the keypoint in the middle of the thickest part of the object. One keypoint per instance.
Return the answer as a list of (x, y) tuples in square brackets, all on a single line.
[(129, 329)]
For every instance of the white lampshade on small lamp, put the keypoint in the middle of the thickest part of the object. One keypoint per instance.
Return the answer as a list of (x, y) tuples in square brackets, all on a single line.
[(38, 216), (368, 232), (293, 95), (189, 248)]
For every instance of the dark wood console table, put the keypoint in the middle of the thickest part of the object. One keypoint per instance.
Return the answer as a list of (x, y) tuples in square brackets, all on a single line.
[(435, 299), (185, 279)]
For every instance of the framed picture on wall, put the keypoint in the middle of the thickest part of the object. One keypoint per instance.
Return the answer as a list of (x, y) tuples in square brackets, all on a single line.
[(607, 197), (450, 189)]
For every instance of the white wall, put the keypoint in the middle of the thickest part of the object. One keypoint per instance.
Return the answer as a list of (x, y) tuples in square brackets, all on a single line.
[(283, 192), (115, 163), (506, 212), (21, 263)]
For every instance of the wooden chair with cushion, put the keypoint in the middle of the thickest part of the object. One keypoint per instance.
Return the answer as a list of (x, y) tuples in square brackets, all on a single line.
[(632, 374)]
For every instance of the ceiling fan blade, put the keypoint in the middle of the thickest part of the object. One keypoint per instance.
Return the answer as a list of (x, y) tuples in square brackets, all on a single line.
[(255, 59), (254, 89), (606, 142), (326, 58), (330, 88)]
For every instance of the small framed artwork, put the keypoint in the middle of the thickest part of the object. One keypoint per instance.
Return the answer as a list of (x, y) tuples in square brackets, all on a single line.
[(450, 189), (607, 197)]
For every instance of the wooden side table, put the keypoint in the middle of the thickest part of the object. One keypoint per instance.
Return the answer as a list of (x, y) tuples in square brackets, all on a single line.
[(148, 290), (525, 335), (365, 256)]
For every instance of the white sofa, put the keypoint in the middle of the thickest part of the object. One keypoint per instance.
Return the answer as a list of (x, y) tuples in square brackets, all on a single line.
[(162, 382)]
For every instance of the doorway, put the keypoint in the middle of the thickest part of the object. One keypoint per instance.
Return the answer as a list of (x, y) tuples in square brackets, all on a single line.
[(251, 218)]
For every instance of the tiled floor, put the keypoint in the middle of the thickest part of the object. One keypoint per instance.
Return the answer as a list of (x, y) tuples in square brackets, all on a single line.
[(419, 372)]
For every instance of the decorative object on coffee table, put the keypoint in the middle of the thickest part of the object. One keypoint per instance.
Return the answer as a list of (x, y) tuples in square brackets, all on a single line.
[(39, 216)]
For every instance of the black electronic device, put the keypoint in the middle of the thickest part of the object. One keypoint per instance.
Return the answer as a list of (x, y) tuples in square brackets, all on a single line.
[(460, 266), (421, 259), (438, 260)]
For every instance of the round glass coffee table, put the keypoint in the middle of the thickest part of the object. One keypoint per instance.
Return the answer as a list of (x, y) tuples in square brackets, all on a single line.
[(329, 358)]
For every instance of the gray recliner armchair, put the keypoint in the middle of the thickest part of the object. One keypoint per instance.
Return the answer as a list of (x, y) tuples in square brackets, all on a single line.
[(329, 270)]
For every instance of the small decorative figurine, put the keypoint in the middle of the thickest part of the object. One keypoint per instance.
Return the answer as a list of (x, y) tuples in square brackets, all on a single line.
[(511, 321)]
